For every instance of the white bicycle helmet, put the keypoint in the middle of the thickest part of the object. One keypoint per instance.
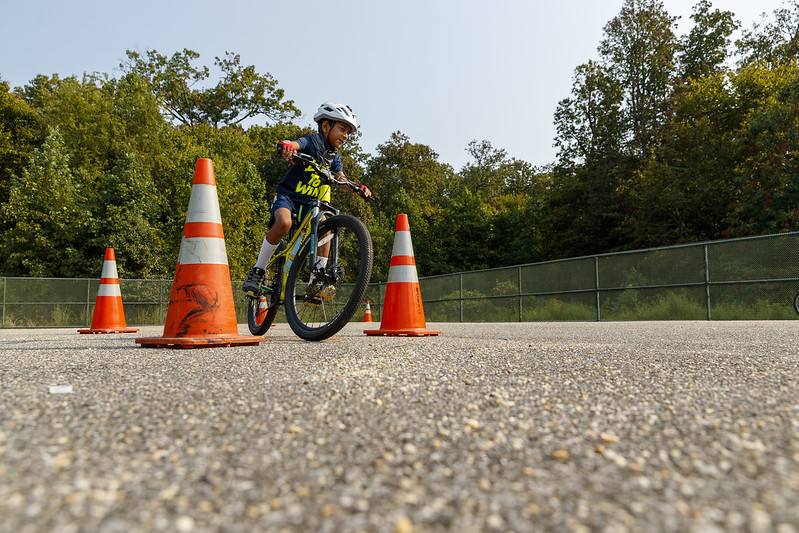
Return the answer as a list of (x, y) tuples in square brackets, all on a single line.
[(336, 113)]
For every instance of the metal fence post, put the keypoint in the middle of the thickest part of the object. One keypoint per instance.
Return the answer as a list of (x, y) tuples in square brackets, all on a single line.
[(5, 286), (596, 288), (519, 270), (707, 283), (88, 300), (380, 300), (160, 302), (460, 294)]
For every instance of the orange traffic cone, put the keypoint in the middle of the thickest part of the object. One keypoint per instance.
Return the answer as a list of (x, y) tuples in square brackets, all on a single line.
[(263, 305), (403, 314), (367, 314), (108, 316), (201, 312)]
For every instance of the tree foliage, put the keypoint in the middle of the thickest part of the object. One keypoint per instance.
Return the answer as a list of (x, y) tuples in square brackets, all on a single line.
[(590, 124), (21, 131), (241, 94), (49, 219), (772, 42), (705, 49), (639, 51)]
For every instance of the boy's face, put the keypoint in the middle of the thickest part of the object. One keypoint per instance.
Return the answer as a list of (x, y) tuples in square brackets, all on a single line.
[(336, 135)]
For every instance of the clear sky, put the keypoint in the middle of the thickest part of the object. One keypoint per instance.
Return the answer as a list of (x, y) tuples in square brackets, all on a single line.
[(443, 72)]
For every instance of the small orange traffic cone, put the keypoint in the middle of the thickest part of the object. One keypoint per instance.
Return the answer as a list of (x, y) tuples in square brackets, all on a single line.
[(263, 305), (403, 314), (367, 314), (108, 316), (201, 312)]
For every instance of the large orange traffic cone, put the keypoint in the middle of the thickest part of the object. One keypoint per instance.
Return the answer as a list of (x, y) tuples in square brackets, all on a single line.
[(108, 316), (367, 313), (201, 312), (403, 314)]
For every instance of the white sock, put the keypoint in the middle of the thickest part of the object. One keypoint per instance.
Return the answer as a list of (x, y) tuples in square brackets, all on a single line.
[(267, 249)]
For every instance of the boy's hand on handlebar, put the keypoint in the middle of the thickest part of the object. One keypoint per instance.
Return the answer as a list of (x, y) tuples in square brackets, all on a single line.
[(363, 191), (286, 150)]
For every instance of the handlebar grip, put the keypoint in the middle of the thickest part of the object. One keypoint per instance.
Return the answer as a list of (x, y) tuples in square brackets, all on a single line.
[(360, 189), (280, 147)]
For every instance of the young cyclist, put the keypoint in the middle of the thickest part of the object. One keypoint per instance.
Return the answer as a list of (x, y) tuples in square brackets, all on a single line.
[(295, 191)]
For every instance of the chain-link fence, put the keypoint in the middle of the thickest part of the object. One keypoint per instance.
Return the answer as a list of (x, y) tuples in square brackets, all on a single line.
[(736, 279)]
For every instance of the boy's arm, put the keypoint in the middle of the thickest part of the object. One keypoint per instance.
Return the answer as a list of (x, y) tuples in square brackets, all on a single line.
[(364, 190)]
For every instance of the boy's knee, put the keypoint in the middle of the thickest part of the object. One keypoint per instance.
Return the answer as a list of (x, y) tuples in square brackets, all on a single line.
[(282, 223)]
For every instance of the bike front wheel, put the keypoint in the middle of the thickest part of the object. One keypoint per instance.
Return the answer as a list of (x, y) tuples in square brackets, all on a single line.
[(796, 303), (313, 317)]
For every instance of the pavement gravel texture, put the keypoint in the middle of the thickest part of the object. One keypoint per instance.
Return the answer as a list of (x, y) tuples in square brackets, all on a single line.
[(635, 426)]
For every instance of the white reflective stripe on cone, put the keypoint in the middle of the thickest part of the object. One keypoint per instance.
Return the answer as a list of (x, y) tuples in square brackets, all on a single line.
[(402, 244), (203, 204), (402, 274), (202, 251), (109, 269), (109, 289)]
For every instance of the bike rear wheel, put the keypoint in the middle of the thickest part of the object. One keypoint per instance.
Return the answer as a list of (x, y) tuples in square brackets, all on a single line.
[(796, 303), (261, 311), (348, 272)]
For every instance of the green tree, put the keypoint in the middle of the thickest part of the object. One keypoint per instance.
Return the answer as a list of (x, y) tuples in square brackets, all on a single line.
[(486, 234), (241, 94), (767, 190), (494, 173), (83, 115), (20, 132), (582, 209), (465, 224), (49, 219), (639, 50), (498, 199), (706, 47), (772, 42), (590, 124), (485, 176), (517, 234), (406, 178), (685, 192), (128, 221)]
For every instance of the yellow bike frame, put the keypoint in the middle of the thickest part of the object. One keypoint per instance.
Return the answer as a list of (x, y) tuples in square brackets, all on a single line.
[(306, 230)]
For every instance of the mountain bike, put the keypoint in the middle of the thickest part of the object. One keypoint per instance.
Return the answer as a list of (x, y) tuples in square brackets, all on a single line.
[(318, 302)]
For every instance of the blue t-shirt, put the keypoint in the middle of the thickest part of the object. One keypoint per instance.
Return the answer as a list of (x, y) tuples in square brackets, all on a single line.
[(301, 182)]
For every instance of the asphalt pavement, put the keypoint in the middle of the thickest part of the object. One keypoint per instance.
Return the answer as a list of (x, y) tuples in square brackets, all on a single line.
[(613, 426)]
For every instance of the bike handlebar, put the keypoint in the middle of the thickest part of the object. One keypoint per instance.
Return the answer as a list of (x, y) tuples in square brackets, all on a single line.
[(329, 176)]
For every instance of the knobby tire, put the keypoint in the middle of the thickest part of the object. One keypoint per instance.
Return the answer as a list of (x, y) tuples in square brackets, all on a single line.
[(319, 322)]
